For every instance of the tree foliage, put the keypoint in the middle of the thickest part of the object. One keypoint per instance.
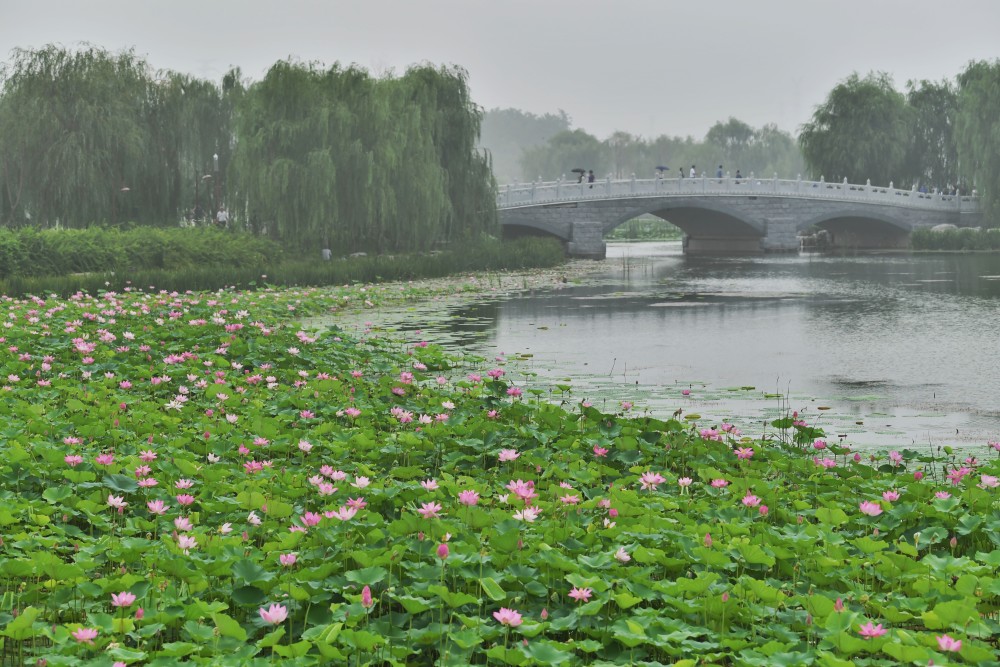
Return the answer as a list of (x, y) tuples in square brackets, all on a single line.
[(860, 132), (932, 158), (309, 155), (93, 137), (977, 133), (507, 133), (734, 144), (337, 157)]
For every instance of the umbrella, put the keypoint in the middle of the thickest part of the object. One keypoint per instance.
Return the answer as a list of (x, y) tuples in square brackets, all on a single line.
[(662, 168), (579, 171)]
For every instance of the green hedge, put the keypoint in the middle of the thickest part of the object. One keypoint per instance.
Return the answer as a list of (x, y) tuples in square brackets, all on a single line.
[(29, 252), (64, 262)]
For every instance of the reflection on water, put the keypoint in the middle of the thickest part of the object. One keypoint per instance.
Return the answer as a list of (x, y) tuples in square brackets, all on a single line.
[(903, 349)]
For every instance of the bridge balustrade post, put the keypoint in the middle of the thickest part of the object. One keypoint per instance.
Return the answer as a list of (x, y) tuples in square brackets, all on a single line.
[(633, 182), (798, 183), (704, 182), (532, 191), (507, 195), (753, 182), (607, 187), (891, 189), (558, 188), (775, 182)]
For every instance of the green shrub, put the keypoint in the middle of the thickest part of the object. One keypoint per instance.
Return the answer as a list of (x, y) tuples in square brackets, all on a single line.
[(956, 239)]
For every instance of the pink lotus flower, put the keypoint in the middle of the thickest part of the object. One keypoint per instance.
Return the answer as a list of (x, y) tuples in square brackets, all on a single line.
[(275, 614), (946, 643), (819, 444), (505, 616), (942, 495), (599, 451), (123, 599), (157, 507), (580, 594), (184, 499), (650, 480), (287, 560), (73, 460), (117, 502), (870, 508), (85, 635), (429, 510), (870, 631), (720, 483), (684, 482), (366, 598), (622, 556), (508, 454), (468, 497), (890, 496), (183, 524), (528, 514), (104, 459), (514, 391), (750, 500), (186, 543), (986, 482), (429, 484), (744, 453)]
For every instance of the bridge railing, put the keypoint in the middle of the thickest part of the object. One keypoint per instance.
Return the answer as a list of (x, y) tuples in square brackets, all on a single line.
[(552, 192)]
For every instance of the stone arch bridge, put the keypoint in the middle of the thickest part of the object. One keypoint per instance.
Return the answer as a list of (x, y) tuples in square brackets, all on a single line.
[(728, 215)]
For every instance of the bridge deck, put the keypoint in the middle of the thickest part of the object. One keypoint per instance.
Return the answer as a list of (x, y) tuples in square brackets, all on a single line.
[(554, 192)]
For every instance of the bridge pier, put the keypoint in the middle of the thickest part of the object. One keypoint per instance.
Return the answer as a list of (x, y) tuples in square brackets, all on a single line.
[(586, 240)]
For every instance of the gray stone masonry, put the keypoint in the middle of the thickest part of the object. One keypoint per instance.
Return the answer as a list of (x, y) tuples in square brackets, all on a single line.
[(719, 224)]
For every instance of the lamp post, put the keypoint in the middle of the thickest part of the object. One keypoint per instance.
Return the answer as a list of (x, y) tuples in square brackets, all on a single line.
[(217, 183)]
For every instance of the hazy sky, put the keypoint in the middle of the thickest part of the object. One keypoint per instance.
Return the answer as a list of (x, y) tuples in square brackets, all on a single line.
[(649, 67)]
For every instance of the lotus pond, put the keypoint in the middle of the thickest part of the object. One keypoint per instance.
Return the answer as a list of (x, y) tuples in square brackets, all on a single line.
[(194, 478)]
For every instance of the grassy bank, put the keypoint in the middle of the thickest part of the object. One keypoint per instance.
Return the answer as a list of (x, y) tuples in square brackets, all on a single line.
[(194, 479), (63, 262)]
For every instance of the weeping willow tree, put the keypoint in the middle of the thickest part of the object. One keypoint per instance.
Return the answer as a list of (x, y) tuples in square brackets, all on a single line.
[(353, 162), (860, 132), (92, 137), (72, 141), (977, 134)]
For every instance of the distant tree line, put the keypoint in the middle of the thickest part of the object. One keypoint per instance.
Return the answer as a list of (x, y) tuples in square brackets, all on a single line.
[(546, 147), (309, 156)]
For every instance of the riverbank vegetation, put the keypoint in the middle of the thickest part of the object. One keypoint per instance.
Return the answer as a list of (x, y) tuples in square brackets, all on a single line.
[(955, 239), (194, 478), (92, 260)]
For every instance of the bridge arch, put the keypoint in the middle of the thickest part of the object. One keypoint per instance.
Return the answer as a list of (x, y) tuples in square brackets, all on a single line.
[(861, 228), (696, 214)]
